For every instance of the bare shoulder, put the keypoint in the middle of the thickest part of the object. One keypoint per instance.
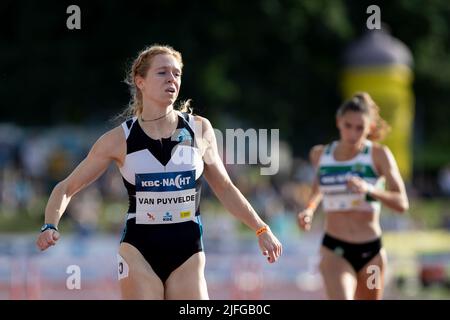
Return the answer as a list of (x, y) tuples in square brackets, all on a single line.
[(383, 159), (205, 136), (112, 137), (315, 153), (111, 144), (381, 153), (207, 131), (205, 123)]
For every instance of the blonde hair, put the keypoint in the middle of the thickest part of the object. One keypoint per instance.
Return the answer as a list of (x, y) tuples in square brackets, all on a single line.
[(139, 67), (363, 102)]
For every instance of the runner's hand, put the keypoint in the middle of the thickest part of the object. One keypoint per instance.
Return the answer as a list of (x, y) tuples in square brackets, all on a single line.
[(270, 246), (47, 238), (304, 219)]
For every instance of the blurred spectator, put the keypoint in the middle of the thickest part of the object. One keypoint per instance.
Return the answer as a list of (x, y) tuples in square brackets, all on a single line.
[(444, 180), (33, 153), (85, 212)]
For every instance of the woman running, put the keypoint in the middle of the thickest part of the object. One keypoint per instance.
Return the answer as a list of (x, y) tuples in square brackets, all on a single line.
[(355, 175), (162, 155)]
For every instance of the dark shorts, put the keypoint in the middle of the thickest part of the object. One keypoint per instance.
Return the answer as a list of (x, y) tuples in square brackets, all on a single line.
[(164, 246), (357, 254)]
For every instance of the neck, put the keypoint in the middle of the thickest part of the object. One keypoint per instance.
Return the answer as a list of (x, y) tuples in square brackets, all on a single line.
[(347, 147), (157, 114)]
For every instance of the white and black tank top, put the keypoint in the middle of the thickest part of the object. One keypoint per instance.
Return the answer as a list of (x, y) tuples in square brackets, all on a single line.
[(162, 177)]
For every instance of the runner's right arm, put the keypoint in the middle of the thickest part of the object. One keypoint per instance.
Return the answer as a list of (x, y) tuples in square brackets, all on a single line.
[(305, 216), (111, 146)]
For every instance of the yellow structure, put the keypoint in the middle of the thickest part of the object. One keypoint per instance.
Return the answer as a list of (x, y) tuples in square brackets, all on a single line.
[(380, 65)]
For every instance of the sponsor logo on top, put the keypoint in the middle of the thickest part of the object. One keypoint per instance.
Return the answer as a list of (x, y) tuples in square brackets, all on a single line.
[(168, 181)]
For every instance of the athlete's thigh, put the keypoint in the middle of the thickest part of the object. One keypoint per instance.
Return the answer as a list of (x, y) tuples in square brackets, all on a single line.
[(338, 275), (371, 278), (137, 278), (188, 282)]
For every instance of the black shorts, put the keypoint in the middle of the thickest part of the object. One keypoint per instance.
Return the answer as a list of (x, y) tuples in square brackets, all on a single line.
[(357, 254), (164, 246)]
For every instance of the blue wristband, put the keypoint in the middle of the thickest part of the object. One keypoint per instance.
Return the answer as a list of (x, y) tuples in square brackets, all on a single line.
[(48, 226)]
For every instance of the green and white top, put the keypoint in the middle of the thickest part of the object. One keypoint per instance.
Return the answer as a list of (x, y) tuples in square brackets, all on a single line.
[(333, 176)]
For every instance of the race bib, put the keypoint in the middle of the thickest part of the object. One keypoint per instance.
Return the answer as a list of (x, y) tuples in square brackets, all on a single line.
[(350, 201), (167, 197), (337, 197)]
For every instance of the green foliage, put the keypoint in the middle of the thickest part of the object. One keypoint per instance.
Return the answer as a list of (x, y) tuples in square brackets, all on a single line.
[(270, 63)]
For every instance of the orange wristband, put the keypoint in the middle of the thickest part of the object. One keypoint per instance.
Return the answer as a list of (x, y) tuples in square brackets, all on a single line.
[(261, 230), (311, 206)]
